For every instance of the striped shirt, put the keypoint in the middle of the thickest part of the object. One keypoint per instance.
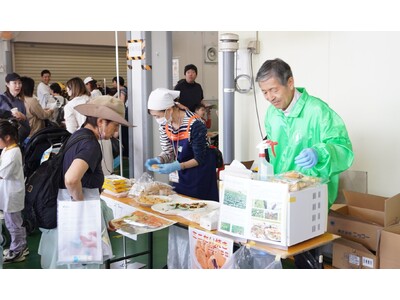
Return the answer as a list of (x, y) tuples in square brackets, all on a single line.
[(199, 143)]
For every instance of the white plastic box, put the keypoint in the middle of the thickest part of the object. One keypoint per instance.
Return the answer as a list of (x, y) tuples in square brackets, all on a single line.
[(267, 212)]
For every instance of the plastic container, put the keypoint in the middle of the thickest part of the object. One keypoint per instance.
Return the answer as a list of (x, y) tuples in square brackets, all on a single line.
[(265, 169)]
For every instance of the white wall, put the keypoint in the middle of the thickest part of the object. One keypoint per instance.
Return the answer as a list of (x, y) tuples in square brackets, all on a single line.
[(356, 73), (188, 47)]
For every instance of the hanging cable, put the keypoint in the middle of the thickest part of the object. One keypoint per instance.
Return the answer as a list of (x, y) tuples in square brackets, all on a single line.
[(255, 97), (246, 77), (243, 90), (121, 168)]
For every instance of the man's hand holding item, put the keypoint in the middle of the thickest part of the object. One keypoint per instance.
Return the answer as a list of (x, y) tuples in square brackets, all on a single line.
[(307, 158)]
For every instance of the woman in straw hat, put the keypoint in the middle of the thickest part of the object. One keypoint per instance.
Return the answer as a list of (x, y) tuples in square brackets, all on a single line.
[(186, 154), (82, 165)]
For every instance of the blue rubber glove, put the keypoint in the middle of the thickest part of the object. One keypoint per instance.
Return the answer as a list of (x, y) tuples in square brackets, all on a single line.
[(307, 158), (152, 161), (169, 168), (116, 162)]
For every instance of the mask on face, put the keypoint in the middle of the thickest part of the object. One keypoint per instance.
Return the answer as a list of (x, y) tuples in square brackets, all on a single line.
[(162, 120), (101, 134), (170, 117)]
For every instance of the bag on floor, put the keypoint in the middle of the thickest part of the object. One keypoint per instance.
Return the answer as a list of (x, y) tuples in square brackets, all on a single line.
[(250, 258)]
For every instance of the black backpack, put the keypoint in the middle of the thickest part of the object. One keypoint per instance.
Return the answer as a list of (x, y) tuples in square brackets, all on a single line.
[(39, 143), (41, 190)]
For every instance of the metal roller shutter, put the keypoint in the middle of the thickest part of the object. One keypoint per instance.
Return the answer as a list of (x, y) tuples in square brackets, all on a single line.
[(66, 61)]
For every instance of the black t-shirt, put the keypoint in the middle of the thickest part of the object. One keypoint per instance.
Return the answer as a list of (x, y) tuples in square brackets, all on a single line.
[(191, 93), (88, 150)]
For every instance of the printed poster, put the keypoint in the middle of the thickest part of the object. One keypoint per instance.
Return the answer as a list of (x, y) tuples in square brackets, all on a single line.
[(254, 210), (207, 250)]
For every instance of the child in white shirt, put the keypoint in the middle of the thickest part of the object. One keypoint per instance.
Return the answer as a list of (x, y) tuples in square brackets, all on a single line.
[(12, 189)]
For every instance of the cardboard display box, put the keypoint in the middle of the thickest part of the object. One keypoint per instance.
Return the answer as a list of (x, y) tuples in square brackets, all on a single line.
[(351, 255), (389, 248), (363, 217), (267, 212)]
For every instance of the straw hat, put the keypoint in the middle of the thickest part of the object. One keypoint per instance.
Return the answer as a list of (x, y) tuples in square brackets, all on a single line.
[(106, 107)]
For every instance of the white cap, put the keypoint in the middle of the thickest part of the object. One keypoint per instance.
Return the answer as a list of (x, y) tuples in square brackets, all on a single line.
[(88, 79), (161, 99)]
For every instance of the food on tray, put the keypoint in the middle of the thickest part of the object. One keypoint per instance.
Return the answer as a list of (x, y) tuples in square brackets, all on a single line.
[(157, 188), (188, 205), (139, 217), (152, 199), (189, 209), (293, 175), (146, 185), (296, 180), (208, 255)]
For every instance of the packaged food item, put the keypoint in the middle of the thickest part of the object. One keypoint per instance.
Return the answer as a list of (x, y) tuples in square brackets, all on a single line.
[(298, 181), (146, 185), (116, 184)]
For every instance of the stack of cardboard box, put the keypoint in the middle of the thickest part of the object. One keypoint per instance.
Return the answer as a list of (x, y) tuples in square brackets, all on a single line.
[(364, 223)]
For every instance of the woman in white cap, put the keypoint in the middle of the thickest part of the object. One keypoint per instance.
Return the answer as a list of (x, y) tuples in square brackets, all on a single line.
[(82, 164), (91, 86), (186, 154)]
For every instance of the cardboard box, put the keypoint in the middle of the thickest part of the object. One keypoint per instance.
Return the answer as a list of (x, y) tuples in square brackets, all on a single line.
[(389, 248), (351, 255), (363, 217), (267, 212)]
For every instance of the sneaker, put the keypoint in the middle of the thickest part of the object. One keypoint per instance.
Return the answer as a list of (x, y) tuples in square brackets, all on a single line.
[(13, 257), (25, 252)]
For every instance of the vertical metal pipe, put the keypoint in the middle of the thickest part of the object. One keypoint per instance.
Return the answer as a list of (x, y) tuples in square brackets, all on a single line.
[(228, 107), (228, 45)]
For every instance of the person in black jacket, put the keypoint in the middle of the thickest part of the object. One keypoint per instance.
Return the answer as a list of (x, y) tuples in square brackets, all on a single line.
[(13, 100), (191, 91)]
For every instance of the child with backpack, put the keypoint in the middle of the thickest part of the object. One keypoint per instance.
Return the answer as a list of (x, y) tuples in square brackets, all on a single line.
[(12, 189)]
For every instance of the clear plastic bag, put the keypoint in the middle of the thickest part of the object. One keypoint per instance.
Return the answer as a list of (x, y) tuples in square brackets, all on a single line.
[(146, 185), (298, 181), (178, 248), (250, 258)]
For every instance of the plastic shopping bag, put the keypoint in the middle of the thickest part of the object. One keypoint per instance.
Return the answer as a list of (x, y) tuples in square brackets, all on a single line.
[(178, 248), (250, 258), (79, 228)]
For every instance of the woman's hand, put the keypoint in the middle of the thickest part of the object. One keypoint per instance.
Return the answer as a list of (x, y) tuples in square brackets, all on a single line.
[(19, 115), (168, 168)]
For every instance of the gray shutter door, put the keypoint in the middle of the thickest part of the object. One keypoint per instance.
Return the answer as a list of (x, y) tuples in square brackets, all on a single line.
[(65, 61)]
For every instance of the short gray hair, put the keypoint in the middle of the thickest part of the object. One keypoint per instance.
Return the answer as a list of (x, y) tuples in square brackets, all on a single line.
[(274, 68)]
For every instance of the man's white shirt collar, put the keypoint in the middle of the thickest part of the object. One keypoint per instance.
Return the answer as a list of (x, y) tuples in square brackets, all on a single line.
[(296, 97)]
